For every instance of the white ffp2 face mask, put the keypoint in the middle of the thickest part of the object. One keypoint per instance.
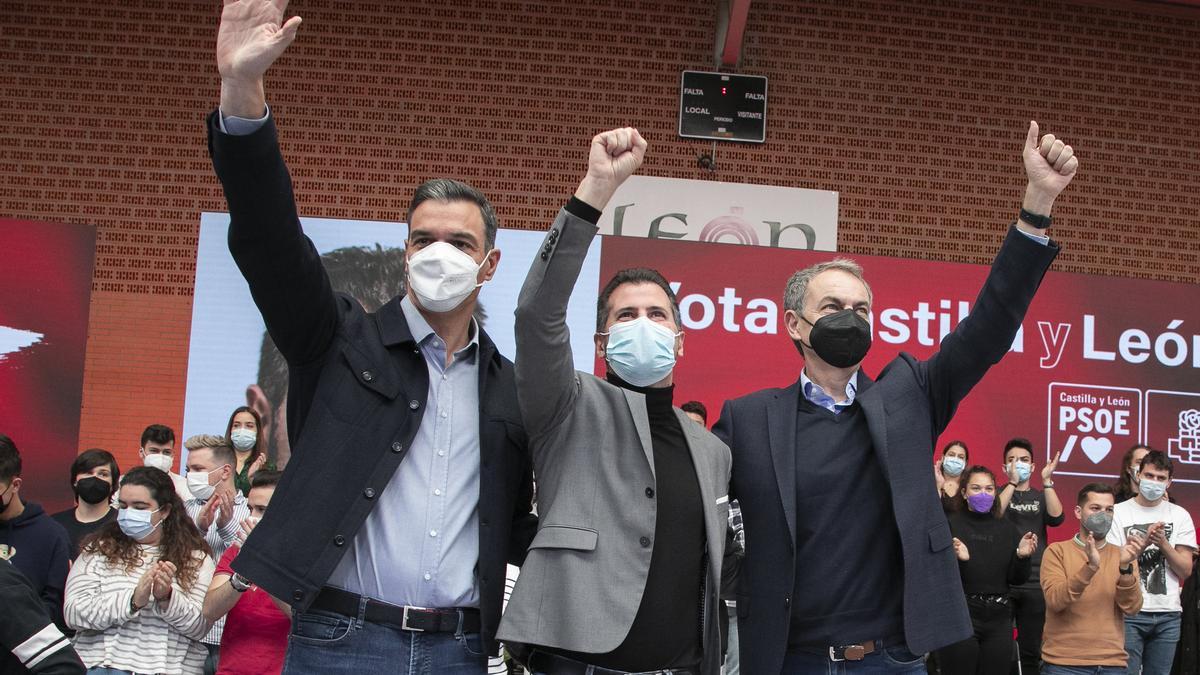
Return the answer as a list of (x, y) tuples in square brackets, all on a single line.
[(441, 276), (641, 352), (160, 462)]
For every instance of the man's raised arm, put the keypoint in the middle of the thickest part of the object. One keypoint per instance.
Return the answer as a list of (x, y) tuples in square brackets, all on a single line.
[(545, 368)]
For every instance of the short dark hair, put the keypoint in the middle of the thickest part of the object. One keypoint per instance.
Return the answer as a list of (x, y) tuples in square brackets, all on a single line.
[(95, 457), (450, 190), (265, 478), (158, 433), (634, 275), (1018, 442), (1159, 460), (696, 407), (1097, 488), (10, 459)]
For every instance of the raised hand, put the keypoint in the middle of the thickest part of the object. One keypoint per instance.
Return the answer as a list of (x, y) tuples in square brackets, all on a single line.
[(224, 508), (613, 157), (257, 464), (244, 530), (164, 574), (251, 36), (1010, 470), (960, 550), (141, 592), (1093, 552), (1049, 469), (208, 512), (1027, 546), (1050, 165), (1135, 543)]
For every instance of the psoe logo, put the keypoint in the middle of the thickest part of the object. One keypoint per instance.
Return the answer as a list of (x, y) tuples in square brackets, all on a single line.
[(13, 340), (1173, 425)]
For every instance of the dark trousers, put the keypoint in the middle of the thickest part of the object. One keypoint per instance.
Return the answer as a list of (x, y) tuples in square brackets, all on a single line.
[(1029, 609), (989, 650)]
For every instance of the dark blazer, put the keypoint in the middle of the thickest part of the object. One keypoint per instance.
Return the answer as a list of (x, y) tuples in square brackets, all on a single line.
[(906, 408), (357, 390)]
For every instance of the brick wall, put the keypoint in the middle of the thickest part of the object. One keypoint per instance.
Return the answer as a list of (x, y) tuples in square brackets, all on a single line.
[(914, 111)]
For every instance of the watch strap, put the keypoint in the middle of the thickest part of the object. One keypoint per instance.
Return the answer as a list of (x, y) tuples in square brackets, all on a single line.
[(1036, 220)]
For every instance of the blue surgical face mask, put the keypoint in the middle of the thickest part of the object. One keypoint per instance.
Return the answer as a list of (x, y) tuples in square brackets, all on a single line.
[(1024, 470), (641, 352), (243, 439), (953, 466), (1151, 490), (137, 524)]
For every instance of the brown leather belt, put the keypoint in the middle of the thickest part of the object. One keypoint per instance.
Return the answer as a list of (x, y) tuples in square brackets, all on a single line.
[(854, 652), (417, 619), (540, 661)]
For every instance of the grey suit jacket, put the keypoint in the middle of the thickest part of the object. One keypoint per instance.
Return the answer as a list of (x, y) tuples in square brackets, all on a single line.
[(583, 578)]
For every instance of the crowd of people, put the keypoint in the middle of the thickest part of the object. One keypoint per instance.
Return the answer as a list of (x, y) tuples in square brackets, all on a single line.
[(806, 522)]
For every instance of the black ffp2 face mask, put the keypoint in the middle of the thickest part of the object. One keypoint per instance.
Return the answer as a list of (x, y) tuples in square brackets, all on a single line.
[(93, 490), (841, 339)]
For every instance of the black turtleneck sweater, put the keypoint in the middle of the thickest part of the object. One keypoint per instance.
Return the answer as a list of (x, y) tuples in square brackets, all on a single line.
[(992, 543), (666, 632)]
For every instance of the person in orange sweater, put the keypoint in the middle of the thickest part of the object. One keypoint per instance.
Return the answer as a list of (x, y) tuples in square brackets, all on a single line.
[(1090, 586)]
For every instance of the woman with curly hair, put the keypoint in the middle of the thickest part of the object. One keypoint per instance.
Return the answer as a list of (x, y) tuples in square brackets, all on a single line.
[(136, 591)]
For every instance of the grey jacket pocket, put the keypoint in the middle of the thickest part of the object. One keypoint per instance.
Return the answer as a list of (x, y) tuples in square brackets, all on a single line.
[(565, 536)]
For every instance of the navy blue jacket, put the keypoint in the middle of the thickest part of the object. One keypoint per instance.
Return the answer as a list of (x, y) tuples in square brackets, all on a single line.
[(41, 550), (906, 407), (357, 391)]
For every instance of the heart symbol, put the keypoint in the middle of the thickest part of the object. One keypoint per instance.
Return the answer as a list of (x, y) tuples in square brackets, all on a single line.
[(1096, 448)]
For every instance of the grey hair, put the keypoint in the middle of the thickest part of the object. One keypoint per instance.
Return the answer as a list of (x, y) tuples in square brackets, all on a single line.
[(450, 190), (797, 285)]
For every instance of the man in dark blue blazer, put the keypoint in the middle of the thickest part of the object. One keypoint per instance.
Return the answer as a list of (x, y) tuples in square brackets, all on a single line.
[(848, 554)]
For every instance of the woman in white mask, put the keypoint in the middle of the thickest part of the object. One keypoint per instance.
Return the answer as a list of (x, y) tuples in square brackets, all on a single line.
[(947, 471), (245, 434), (136, 591)]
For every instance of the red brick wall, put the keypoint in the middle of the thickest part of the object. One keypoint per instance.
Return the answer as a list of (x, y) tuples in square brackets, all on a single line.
[(914, 111)]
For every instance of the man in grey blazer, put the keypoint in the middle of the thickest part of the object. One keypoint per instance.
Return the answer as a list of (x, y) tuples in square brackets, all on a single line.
[(624, 572)]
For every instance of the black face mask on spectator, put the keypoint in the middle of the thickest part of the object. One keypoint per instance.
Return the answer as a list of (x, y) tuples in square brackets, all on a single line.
[(93, 490)]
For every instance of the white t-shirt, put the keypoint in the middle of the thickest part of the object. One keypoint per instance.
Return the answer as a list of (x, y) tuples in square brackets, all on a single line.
[(1160, 586)]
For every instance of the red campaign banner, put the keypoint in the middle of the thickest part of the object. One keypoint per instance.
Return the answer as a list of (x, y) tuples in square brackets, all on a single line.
[(1100, 363), (45, 291)]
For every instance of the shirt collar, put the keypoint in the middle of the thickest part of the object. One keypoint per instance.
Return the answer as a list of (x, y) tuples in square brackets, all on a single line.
[(814, 393), (422, 332)]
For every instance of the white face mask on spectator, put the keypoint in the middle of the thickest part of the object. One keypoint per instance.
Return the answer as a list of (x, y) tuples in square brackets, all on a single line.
[(160, 462), (197, 482)]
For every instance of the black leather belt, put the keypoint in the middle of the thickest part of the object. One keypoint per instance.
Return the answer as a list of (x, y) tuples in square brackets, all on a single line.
[(989, 597), (554, 664), (418, 619)]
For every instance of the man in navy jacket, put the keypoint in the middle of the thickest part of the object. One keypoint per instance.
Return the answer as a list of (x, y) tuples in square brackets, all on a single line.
[(409, 486), (848, 554)]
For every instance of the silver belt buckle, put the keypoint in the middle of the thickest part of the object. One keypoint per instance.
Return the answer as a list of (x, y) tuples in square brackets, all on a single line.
[(832, 657), (404, 621)]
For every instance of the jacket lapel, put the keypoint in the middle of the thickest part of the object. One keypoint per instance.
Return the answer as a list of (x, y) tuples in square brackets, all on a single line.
[(781, 429), (871, 401), (637, 408)]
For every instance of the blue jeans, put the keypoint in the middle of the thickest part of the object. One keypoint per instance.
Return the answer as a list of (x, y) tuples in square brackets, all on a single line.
[(1150, 639), (1051, 669), (731, 653), (326, 642), (890, 660)]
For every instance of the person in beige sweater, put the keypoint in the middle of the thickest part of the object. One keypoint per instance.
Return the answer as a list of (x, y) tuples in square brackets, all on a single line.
[(1090, 586)]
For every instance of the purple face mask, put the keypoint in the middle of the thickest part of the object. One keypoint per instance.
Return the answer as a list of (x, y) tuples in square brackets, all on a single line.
[(981, 502)]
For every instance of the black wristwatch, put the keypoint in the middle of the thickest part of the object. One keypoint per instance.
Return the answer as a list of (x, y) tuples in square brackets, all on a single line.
[(1128, 569), (1039, 221), (239, 583)]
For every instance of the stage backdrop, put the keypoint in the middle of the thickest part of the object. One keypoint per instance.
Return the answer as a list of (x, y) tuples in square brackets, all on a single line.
[(45, 288), (731, 213), (1100, 363), (227, 366)]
